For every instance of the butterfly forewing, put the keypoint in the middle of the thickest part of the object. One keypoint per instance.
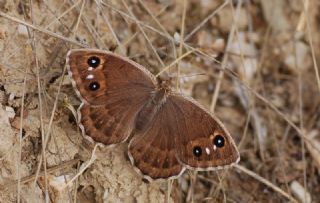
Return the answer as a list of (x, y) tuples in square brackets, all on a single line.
[(112, 89), (99, 76)]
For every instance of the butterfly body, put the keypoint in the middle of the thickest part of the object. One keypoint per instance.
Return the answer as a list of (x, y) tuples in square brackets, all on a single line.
[(169, 131), (151, 108)]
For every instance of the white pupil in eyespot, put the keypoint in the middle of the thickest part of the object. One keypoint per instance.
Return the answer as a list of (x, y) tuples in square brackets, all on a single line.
[(207, 150), (90, 76), (214, 147)]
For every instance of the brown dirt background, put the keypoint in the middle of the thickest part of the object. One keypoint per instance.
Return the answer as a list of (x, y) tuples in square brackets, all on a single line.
[(268, 97)]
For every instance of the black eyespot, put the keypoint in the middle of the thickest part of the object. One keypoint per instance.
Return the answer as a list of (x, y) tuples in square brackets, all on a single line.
[(94, 61), (197, 151), (94, 86), (218, 141)]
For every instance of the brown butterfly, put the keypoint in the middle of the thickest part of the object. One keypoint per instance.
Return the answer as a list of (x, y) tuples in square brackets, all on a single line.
[(170, 132)]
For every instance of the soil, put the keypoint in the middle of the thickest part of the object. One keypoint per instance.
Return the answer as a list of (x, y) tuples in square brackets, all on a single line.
[(254, 64)]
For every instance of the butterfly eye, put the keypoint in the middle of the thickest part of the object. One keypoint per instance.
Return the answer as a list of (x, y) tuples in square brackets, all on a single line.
[(218, 141), (197, 151), (94, 86), (93, 61)]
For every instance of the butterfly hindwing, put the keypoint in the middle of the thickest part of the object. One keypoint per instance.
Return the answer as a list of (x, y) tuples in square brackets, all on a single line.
[(179, 133), (202, 141), (152, 149)]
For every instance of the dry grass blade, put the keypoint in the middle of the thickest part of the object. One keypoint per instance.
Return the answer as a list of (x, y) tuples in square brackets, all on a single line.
[(122, 50), (30, 178), (20, 134), (174, 63), (41, 112), (89, 163), (310, 38), (42, 30), (225, 59), (63, 14), (144, 34), (204, 21), (181, 41), (266, 182)]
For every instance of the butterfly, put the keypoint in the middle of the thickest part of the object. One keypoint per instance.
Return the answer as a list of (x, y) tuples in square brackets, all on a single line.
[(168, 131)]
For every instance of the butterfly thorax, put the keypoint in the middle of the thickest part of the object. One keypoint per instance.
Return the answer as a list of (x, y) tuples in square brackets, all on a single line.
[(148, 112), (165, 82)]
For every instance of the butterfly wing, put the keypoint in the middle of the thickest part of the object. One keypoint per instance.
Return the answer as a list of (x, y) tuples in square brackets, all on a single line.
[(99, 76), (181, 134), (152, 149), (113, 89), (202, 143)]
